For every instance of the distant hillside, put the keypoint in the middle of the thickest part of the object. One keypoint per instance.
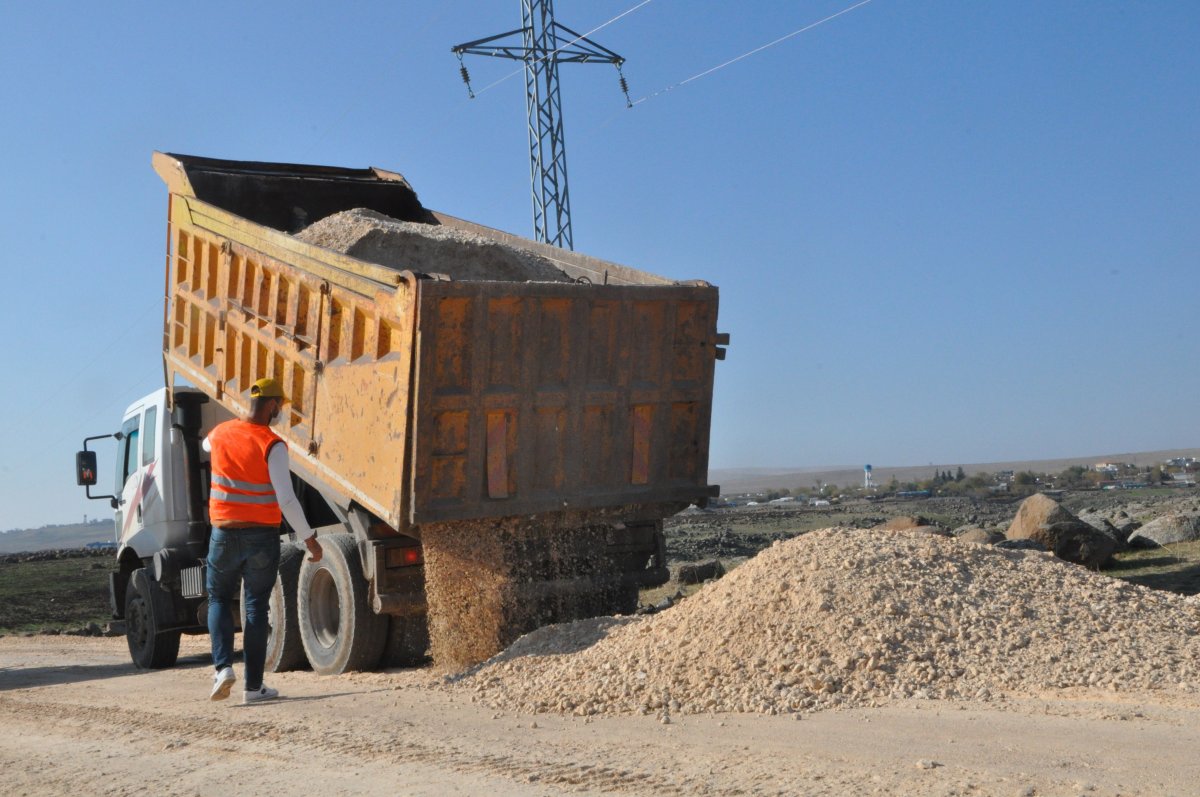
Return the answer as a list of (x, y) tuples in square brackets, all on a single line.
[(744, 480), (75, 535)]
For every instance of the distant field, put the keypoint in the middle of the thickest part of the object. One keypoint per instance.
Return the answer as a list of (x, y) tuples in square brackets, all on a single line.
[(54, 538), (738, 480), (57, 593)]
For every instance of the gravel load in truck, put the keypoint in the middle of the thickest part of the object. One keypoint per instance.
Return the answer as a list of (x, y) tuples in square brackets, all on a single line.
[(371, 236)]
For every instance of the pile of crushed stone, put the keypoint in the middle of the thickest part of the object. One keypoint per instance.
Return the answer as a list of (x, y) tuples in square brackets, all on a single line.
[(427, 248), (847, 617)]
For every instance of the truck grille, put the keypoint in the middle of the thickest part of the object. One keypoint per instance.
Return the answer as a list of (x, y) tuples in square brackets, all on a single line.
[(192, 579)]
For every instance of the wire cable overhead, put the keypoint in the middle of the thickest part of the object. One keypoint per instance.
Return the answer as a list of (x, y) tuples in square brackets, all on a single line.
[(755, 51)]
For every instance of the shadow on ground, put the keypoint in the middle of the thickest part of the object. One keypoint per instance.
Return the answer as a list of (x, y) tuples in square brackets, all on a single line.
[(32, 677)]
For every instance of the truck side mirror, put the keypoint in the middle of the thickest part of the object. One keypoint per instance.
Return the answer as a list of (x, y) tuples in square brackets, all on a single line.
[(85, 468)]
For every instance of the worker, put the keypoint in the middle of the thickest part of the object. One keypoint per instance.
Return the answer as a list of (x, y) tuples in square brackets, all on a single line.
[(251, 492)]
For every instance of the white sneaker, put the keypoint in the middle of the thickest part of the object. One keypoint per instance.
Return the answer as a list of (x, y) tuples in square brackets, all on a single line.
[(263, 692), (222, 683)]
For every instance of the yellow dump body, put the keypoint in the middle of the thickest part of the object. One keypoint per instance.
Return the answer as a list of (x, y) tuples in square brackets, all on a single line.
[(423, 398)]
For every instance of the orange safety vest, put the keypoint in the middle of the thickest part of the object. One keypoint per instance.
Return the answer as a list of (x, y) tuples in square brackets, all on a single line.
[(241, 490)]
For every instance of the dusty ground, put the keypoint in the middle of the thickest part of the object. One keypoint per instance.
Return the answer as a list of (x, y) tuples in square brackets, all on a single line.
[(79, 719)]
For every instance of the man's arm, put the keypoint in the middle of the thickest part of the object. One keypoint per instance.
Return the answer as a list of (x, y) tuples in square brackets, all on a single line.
[(289, 504)]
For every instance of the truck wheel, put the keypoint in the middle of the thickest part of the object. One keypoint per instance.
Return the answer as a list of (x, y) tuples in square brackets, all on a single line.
[(407, 641), (285, 650), (150, 648), (339, 630)]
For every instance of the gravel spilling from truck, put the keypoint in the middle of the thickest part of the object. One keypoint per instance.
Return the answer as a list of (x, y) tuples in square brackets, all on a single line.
[(429, 248), (490, 581), (843, 617)]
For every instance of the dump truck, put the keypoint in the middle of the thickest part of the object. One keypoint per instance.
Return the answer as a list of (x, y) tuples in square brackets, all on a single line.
[(485, 431)]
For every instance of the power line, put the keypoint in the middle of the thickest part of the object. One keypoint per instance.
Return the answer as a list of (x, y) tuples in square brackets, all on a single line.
[(755, 51)]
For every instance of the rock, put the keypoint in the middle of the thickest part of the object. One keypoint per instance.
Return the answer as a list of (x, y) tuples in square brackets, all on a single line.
[(905, 522), (1128, 527), (1102, 525), (981, 536), (699, 573), (1078, 542), (1139, 543), (1022, 545), (1043, 520), (1035, 512), (1170, 528), (115, 628)]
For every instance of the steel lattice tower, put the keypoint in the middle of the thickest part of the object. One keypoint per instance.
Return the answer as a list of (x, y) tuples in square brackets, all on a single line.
[(544, 45)]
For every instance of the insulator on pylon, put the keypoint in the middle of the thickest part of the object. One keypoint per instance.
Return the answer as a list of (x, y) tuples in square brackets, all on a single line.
[(466, 76), (624, 86)]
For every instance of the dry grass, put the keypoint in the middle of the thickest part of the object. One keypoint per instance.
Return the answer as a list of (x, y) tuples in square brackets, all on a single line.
[(1174, 568)]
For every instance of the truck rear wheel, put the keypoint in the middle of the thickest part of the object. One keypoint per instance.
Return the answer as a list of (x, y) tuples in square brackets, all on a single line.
[(339, 630), (285, 650), (149, 647)]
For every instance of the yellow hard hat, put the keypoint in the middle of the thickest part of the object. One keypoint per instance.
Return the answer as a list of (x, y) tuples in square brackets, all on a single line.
[(267, 388)]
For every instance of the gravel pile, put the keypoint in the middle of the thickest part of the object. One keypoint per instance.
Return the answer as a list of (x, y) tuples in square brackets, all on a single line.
[(427, 248), (845, 617)]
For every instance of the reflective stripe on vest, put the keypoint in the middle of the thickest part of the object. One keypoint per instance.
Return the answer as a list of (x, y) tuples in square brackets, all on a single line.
[(242, 498), (251, 487), (241, 490)]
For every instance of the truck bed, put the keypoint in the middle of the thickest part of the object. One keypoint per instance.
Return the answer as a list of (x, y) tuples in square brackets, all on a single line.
[(424, 397)]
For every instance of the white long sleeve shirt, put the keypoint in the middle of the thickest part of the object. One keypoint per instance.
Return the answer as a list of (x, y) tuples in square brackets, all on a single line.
[(281, 480)]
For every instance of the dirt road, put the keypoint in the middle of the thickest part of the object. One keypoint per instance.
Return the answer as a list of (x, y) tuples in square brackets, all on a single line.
[(77, 718)]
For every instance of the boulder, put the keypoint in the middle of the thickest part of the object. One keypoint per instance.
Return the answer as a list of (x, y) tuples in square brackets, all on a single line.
[(1043, 520), (905, 522), (699, 573), (981, 536), (1174, 527), (1105, 527), (1021, 545), (1078, 542), (1035, 512), (929, 529)]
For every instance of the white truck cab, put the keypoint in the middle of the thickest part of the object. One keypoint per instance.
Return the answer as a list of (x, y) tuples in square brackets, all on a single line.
[(160, 488)]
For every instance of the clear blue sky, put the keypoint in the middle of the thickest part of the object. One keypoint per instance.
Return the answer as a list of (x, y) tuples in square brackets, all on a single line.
[(943, 231)]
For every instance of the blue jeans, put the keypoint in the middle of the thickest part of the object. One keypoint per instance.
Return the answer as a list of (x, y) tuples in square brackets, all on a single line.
[(252, 557)]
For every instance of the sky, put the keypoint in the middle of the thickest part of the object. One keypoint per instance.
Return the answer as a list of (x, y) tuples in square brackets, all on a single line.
[(943, 232)]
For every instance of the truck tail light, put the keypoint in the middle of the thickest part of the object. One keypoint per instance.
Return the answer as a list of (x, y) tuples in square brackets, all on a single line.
[(405, 557)]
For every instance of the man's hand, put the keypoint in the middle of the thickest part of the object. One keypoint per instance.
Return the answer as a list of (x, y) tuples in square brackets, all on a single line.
[(314, 549)]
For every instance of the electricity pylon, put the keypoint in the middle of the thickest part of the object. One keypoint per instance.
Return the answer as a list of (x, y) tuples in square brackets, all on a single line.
[(544, 45)]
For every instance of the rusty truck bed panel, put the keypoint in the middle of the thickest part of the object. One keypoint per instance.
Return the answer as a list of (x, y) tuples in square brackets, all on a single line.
[(427, 400), (534, 397)]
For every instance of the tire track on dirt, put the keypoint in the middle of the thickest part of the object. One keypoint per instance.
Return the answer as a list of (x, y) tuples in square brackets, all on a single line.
[(379, 745)]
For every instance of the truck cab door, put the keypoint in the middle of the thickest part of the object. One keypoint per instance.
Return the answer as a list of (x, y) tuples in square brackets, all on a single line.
[(128, 515)]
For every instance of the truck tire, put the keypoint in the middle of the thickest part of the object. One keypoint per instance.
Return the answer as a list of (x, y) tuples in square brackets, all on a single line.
[(149, 647), (339, 630), (285, 650)]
